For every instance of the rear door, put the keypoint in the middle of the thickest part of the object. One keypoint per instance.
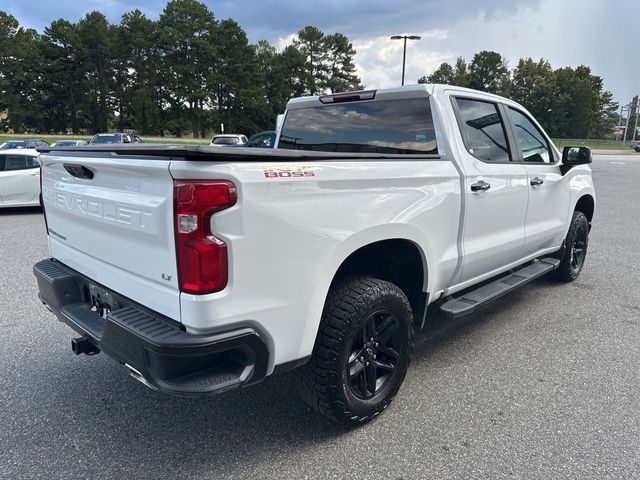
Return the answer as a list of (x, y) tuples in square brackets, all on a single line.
[(111, 219), (549, 194), (495, 187), (19, 179)]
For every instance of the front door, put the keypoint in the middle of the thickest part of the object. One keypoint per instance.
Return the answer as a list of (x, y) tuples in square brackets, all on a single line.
[(549, 194)]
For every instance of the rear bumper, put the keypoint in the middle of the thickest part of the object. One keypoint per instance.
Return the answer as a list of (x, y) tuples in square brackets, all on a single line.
[(155, 350)]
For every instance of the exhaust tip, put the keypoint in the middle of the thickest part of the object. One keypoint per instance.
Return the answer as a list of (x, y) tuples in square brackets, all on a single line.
[(138, 376)]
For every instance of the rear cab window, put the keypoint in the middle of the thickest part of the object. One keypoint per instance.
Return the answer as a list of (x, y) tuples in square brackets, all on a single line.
[(399, 126)]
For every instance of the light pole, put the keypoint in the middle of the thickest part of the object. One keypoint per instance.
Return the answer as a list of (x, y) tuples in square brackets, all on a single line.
[(404, 52)]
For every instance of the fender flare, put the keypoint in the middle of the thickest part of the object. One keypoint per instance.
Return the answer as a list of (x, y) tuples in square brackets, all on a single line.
[(396, 231)]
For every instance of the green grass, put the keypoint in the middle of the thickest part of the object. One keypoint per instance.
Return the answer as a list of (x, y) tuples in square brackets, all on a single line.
[(53, 138), (593, 144)]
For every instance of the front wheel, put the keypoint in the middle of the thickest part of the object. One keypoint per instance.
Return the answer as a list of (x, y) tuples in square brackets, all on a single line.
[(362, 350), (575, 251)]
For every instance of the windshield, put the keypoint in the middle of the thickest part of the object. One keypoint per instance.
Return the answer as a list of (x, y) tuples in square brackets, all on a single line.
[(106, 139), (384, 126), (225, 141), (13, 144)]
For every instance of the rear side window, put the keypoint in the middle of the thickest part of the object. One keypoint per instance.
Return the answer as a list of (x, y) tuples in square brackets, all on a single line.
[(20, 162), (483, 130), (531, 141), (225, 141), (383, 126)]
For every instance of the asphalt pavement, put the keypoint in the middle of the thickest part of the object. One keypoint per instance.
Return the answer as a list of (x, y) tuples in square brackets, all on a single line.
[(543, 384)]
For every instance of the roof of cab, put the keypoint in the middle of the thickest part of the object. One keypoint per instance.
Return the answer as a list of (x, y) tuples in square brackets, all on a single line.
[(417, 90)]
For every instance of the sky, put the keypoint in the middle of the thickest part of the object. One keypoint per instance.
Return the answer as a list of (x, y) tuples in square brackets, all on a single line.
[(599, 33)]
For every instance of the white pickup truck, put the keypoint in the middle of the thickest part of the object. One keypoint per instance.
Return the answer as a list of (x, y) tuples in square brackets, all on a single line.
[(203, 269)]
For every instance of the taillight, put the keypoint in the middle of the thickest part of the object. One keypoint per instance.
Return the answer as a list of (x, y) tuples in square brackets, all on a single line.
[(41, 198), (202, 258)]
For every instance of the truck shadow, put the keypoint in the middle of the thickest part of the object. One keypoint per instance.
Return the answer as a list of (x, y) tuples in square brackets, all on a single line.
[(20, 211), (439, 331)]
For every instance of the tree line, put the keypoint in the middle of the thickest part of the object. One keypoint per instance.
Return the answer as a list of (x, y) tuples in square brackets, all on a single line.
[(568, 102), (187, 71)]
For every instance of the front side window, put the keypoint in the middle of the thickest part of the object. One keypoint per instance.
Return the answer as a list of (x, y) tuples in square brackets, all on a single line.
[(381, 126), (533, 145), (483, 130)]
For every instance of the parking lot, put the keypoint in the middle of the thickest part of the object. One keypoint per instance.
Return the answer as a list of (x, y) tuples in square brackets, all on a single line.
[(543, 384)]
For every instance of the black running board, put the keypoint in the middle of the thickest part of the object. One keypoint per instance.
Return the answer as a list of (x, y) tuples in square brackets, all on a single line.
[(472, 301)]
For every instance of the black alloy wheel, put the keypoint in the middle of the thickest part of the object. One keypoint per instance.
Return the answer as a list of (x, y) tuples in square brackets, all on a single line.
[(375, 352), (579, 248)]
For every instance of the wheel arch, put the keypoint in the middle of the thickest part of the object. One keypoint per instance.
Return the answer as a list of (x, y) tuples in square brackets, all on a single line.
[(409, 245), (586, 204)]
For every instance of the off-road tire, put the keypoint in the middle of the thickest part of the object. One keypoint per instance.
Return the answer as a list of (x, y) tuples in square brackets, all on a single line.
[(569, 269), (325, 382)]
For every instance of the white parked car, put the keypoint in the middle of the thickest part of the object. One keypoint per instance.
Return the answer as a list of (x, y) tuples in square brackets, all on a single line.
[(19, 178), (202, 270), (228, 140)]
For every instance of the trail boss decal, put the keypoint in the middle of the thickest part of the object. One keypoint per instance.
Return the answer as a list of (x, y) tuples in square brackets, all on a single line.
[(289, 172)]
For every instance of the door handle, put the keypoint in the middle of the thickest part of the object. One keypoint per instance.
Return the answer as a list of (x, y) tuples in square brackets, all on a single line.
[(480, 186), (536, 181)]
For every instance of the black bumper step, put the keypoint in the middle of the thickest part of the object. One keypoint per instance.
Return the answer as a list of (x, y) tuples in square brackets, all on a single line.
[(473, 300), (154, 349)]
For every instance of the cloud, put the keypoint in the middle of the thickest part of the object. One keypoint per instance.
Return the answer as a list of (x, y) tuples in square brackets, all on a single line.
[(569, 32), (379, 59)]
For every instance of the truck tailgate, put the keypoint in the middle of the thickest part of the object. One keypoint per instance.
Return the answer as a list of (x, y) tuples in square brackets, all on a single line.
[(111, 219)]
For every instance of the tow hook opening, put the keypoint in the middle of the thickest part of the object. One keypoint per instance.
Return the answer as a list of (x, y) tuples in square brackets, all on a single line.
[(83, 345)]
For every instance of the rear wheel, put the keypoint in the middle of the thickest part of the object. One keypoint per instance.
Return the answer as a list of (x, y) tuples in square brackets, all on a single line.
[(575, 252), (362, 350)]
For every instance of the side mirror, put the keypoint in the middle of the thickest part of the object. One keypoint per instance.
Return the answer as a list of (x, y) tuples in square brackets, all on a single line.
[(572, 156)]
